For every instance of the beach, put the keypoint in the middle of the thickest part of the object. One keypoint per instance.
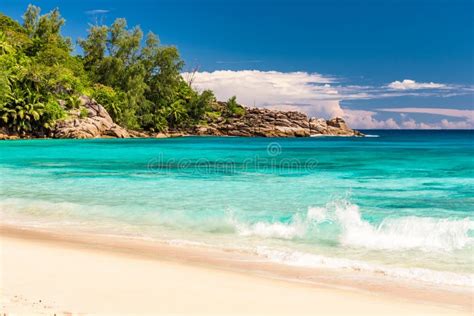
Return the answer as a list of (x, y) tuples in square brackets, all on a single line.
[(236, 164), (44, 273), (215, 225)]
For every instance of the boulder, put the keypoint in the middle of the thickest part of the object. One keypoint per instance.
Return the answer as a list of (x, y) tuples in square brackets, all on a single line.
[(255, 122), (4, 135), (272, 123), (98, 123), (137, 134)]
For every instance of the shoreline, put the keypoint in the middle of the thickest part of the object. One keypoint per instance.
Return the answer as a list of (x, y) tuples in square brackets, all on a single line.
[(253, 122), (172, 135), (143, 135), (215, 263)]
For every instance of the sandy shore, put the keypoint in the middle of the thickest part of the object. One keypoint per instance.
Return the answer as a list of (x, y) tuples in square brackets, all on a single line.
[(46, 274)]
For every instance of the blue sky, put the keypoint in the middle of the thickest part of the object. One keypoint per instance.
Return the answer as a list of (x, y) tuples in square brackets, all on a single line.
[(380, 64)]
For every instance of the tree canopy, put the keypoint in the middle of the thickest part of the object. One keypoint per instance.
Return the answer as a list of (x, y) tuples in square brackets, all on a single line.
[(136, 79)]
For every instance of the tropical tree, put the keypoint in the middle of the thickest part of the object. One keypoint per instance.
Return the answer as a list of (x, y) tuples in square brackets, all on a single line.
[(140, 85), (23, 111), (233, 108)]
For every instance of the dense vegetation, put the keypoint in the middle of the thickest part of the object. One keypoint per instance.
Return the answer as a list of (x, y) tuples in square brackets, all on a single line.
[(137, 80)]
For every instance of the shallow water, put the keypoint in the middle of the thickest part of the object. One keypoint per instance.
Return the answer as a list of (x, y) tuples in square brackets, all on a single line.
[(401, 203)]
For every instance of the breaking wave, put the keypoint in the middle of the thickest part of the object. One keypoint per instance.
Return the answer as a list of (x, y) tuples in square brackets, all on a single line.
[(338, 221), (345, 221)]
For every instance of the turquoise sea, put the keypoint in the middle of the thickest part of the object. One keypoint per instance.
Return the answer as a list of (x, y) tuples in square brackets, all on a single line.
[(400, 202)]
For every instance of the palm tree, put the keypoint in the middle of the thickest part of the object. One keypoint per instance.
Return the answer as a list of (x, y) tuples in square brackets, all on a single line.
[(5, 46), (22, 111), (176, 113)]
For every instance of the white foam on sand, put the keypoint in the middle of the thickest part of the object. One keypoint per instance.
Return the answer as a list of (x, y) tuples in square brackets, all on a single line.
[(424, 234), (301, 259)]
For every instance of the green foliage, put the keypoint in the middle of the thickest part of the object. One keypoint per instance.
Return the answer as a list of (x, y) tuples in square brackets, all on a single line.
[(83, 113), (146, 80), (233, 108), (26, 111), (22, 111), (44, 29), (116, 104), (199, 104), (52, 112), (32, 79), (213, 115), (139, 85), (73, 102), (109, 98)]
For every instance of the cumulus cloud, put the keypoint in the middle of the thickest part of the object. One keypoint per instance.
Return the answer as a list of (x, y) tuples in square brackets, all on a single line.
[(465, 118), (308, 92), (367, 120), (443, 124), (320, 95), (408, 84), (363, 119), (456, 125), (436, 111)]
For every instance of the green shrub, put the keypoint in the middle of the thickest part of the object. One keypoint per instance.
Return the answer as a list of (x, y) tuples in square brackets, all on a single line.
[(83, 113), (116, 104), (52, 112), (233, 108)]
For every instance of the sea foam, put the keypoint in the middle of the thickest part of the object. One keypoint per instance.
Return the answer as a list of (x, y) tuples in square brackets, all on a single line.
[(302, 259), (342, 218), (398, 233), (297, 228)]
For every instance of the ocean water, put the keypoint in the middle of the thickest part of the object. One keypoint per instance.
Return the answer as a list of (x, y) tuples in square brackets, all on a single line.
[(400, 202)]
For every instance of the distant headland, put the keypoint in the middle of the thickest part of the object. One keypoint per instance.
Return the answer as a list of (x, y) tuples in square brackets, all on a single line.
[(253, 122), (118, 87)]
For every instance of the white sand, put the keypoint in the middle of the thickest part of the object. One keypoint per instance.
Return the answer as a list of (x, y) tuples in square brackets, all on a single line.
[(39, 276)]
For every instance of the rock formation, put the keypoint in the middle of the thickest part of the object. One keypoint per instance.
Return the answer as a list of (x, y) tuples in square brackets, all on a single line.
[(4, 134), (93, 121), (96, 123), (271, 123)]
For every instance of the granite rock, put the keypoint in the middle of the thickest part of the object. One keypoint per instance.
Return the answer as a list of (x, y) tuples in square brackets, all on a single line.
[(96, 124)]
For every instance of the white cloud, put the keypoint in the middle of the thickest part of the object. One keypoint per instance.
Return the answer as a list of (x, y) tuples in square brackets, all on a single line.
[(443, 124), (362, 119), (319, 95), (308, 92), (408, 84), (466, 118), (412, 124), (97, 11), (456, 125), (437, 111)]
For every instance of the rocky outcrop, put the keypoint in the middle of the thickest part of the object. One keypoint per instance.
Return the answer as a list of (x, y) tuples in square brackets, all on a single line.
[(4, 135), (333, 127), (93, 121), (271, 123), (94, 124)]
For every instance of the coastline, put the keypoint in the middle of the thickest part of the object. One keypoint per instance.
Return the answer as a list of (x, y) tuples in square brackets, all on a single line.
[(253, 122), (136, 274)]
